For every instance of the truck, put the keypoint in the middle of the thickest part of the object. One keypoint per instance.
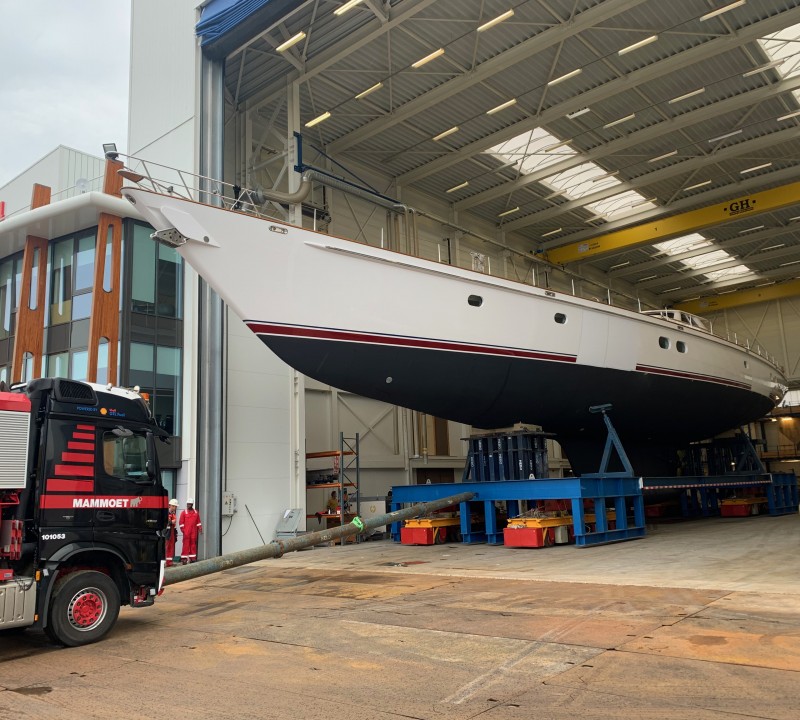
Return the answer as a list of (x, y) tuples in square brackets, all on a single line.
[(83, 512)]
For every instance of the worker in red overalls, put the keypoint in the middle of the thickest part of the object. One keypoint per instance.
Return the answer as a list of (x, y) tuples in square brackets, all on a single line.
[(191, 527), (172, 522)]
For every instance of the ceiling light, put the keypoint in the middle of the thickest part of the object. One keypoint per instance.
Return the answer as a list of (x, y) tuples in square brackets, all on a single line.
[(565, 77), (552, 232), (687, 95), (637, 45), (619, 265), (790, 115), (771, 282), (756, 167), (435, 54), (494, 21), (698, 185), (721, 10), (649, 277), (502, 106), (747, 230), (349, 5), (621, 120), (726, 135), (446, 133), (286, 44), (764, 68), (726, 292), (773, 247), (670, 290), (557, 145), (578, 113), (508, 212), (793, 262), (458, 187), (364, 93), (796, 217), (317, 120), (661, 157)]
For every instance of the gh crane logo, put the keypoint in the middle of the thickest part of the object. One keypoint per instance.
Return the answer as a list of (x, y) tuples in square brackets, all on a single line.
[(739, 207)]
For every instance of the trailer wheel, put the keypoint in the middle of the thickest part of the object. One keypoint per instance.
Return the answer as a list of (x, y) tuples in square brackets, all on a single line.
[(84, 607)]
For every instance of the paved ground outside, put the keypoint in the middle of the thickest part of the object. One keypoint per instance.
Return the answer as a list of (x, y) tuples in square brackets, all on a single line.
[(698, 620)]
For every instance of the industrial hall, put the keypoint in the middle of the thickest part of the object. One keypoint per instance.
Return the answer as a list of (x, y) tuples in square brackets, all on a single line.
[(490, 307)]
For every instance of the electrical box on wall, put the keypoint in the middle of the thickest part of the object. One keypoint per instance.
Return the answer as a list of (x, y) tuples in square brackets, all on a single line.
[(228, 504)]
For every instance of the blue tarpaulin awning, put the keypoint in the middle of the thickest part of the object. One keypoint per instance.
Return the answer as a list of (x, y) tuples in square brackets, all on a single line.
[(220, 16)]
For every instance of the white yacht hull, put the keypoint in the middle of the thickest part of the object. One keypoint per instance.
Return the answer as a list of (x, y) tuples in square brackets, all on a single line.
[(467, 346)]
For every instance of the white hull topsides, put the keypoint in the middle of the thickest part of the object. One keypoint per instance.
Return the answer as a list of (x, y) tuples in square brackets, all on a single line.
[(461, 344)]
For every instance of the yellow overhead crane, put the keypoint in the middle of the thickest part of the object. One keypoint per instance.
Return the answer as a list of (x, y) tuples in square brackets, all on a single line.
[(664, 228), (750, 296)]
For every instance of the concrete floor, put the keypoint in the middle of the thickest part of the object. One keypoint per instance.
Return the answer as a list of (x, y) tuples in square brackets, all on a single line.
[(699, 620)]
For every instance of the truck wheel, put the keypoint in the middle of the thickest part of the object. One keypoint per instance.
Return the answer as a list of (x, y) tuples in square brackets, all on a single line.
[(84, 607)]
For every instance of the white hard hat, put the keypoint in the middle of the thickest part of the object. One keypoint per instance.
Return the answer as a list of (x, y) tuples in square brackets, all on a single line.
[(190, 501), (173, 502)]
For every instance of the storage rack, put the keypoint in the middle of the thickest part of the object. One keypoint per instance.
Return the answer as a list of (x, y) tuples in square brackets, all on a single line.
[(347, 473)]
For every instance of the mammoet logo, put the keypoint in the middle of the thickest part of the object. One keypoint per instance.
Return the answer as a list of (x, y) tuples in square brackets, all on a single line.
[(106, 502)]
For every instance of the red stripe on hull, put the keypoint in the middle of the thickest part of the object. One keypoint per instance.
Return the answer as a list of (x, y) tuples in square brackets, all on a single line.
[(348, 336), (692, 376)]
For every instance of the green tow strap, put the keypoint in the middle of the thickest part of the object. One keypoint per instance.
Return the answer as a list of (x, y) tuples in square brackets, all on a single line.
[(359, 523)]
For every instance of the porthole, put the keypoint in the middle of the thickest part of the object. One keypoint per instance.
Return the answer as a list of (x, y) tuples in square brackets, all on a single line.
[(475, 300), (680, 346), (745, 364), (663, 343), (560, 318)]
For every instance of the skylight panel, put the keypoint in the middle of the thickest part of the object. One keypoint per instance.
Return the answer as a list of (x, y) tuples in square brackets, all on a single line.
[(737, 271), (784, 45), (622, 204), (682, 244), (715, 257), (527, 151)]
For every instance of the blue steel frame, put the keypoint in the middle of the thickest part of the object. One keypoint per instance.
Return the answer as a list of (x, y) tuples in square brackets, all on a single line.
[(605, 492)]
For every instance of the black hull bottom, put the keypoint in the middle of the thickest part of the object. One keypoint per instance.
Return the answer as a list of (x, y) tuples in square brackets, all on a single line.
[(653, 414)]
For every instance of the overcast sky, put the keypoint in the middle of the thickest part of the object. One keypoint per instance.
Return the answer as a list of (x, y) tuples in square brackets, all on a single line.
[(65, 78)]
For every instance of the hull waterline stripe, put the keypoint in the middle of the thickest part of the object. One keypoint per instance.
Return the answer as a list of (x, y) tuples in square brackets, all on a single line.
[(397, 341), (683, 375)]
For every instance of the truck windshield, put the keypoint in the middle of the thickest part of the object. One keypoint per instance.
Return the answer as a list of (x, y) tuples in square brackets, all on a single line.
[(125, 457)]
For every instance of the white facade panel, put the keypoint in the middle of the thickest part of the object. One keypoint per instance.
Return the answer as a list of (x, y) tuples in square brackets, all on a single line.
[(259, 450), (163, 85)]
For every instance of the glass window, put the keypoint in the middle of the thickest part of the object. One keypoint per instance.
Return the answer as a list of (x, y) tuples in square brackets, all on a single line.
[(680, 346), (560, 318), (168, 367), (58, 365), (61, 282), (102, 361), (6, 290), (17, 281), (663, 343), (165, 410), (80, 361), (3, 374), (84, 267), (80, 334), (82, 306), (125, 456), (27, 367), (108, 284), (141, 365), (33, 291), (143, 278), (170, 281)]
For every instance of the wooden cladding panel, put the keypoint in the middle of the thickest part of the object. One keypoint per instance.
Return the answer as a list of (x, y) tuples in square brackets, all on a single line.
[(29, 334), (112, 181), (104, 322)]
